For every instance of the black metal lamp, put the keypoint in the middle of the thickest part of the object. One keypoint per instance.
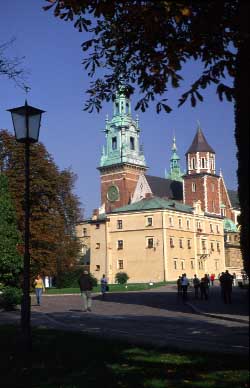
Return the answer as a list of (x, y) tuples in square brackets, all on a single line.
[(26, 121)]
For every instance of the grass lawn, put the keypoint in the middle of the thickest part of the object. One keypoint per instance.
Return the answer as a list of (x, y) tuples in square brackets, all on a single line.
[(73, 360), (112, 288)]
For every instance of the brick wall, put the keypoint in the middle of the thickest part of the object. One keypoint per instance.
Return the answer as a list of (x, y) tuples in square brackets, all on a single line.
[(125, 177)]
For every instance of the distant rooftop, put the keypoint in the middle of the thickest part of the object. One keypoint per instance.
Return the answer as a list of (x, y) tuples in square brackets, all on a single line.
[(154, 203)]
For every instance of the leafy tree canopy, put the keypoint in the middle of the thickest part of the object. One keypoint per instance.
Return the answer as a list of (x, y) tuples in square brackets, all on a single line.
[(10, 259), (54, 209), (147, 42)]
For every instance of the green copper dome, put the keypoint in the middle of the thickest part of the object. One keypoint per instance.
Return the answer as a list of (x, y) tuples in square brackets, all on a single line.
[(122, 135), (229, 225)]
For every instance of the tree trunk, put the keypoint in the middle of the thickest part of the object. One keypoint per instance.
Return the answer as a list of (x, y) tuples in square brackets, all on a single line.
[(242, 127)]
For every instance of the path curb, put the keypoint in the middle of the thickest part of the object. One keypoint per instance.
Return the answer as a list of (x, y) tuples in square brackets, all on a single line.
[(224, 317)]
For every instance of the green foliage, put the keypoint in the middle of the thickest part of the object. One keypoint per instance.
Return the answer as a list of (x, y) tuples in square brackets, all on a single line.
[(70, 279), (121, 277), (10, 297), (10, 259), (54, 208)]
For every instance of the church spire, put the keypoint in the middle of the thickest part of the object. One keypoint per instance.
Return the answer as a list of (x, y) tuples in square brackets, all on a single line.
[(122, 134), (175, 173)]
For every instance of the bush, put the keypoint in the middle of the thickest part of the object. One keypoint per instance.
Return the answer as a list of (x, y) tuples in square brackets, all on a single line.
[(10, 297), (121, 278)]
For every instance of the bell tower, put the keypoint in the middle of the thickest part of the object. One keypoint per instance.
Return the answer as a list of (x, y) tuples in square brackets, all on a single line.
[(201, 182), (122, 160)]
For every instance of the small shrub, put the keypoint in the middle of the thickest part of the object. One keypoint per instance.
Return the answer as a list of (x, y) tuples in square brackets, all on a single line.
[(10, 297), (121, 278)]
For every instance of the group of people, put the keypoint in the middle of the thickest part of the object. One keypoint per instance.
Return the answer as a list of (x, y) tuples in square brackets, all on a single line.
[(201, 286), (226, 283), (86, 286)]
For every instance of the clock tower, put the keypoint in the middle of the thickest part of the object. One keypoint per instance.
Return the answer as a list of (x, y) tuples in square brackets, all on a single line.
[(122, 160)]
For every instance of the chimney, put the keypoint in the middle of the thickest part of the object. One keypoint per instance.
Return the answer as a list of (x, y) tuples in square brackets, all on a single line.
[(148, 195)]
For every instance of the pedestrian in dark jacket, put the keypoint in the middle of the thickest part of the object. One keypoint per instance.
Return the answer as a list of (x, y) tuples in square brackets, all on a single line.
[(226, 282), (196, 284), (86, 286), (204, 287)]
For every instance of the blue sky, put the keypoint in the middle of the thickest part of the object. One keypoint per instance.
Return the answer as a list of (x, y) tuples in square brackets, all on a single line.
[(52, 50)]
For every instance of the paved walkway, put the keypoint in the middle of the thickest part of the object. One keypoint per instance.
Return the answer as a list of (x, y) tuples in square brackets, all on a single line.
[(157, 317)]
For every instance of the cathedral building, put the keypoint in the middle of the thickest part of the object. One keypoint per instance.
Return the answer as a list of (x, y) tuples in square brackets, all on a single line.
[(155, 228)]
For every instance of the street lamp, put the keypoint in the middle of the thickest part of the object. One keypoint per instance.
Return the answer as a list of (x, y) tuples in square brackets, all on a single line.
[(26, 121)]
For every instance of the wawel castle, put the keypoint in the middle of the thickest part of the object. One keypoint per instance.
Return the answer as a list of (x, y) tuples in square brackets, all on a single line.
[(153, 228)]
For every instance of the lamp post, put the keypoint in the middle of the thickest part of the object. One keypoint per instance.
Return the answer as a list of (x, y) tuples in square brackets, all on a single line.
[(26, 121)]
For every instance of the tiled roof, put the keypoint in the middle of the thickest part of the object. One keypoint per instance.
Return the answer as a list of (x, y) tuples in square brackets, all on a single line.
[(200, 144), (153, 204), (233, 195), (167, 188)]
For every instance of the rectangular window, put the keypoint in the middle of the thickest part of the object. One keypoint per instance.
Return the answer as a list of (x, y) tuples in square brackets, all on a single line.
[(150, 242), (120, 244), (170, 220), (193, 187), (97, 246), (212, 246), (193, 163), (188, 224), (198, 226), (120, 264), (203, 163), (213, 187), (171, 242), (192, 264), (217, 229), (182, 264), (175, 264), (84, 232), (119, 224), (97, 226), (211, 228), (218, 247), (114, 143), (189, 244), (132, 143), (180, 222), (203, 245), (149, 221), (97, 268), (180, 243)]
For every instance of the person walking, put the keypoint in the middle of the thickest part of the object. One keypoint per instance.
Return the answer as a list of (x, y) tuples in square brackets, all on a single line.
[(104, 285), (204, 286), (184, 286), (196, 284), (86, 286), (226, 282), (39, 288), (179, 288)]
